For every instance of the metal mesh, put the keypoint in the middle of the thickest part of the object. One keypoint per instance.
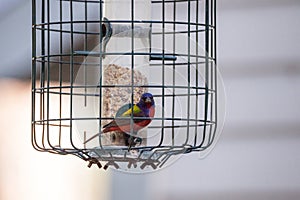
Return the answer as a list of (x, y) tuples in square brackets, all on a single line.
[(72, 40)]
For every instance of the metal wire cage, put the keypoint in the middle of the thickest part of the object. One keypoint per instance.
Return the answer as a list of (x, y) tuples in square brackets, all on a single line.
[(90, 57)]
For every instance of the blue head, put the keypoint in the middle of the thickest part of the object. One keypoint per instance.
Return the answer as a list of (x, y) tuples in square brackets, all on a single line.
[(146, 101)]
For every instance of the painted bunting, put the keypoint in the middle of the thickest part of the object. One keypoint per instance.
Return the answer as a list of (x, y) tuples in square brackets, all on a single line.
[(144, 111)]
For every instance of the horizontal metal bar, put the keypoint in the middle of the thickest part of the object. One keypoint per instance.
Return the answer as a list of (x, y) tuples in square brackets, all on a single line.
[(97, 95), (97, 64), (125, 21), (153, 1), (68, 62), (111, 118), (67, 31), (84, 1), (179, 32), (98, 54), (173, 1), (97, 33), (162, 57), (125, 86), (150, 127)]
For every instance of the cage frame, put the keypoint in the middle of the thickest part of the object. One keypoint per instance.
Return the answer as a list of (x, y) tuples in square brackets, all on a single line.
[(44, 90)]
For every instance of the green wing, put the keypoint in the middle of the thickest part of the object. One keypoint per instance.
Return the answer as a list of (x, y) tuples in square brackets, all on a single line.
[(136, 111), (126, 111), (122, 110)]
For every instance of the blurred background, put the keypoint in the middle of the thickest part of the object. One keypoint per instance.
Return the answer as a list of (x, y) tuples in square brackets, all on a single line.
[(257, 156)]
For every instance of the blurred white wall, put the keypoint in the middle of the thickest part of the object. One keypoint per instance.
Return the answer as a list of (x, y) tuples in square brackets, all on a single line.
[(25, 173), (15, 40), (31, 175), (257, 156)]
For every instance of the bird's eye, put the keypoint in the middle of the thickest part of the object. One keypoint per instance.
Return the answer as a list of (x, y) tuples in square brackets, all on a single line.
[(151, 98)]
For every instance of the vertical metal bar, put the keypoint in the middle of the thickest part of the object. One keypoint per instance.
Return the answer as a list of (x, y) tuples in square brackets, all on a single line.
[(33, 74), (150, 37), (42, 73), (132, 64), (60, 77), (84, 139), (189, 72), (163, 74), (215, 66), (85, 49), (174, 69), (197, 72), (48, 71), (100, 72), (211, 69), (71, 71), (215, 32), (206, 69), (163, 71)]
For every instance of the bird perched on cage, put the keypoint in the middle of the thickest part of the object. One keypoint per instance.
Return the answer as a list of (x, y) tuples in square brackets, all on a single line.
[(131, 119)]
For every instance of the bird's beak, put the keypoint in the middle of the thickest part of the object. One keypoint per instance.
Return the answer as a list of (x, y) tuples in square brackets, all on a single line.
[(148, 100)]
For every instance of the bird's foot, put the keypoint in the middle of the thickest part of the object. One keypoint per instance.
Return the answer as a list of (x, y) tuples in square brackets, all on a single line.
[(134, 141), (137, 141)]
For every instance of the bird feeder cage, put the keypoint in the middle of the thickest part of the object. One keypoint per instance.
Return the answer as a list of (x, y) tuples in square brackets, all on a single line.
[(92, 60)]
